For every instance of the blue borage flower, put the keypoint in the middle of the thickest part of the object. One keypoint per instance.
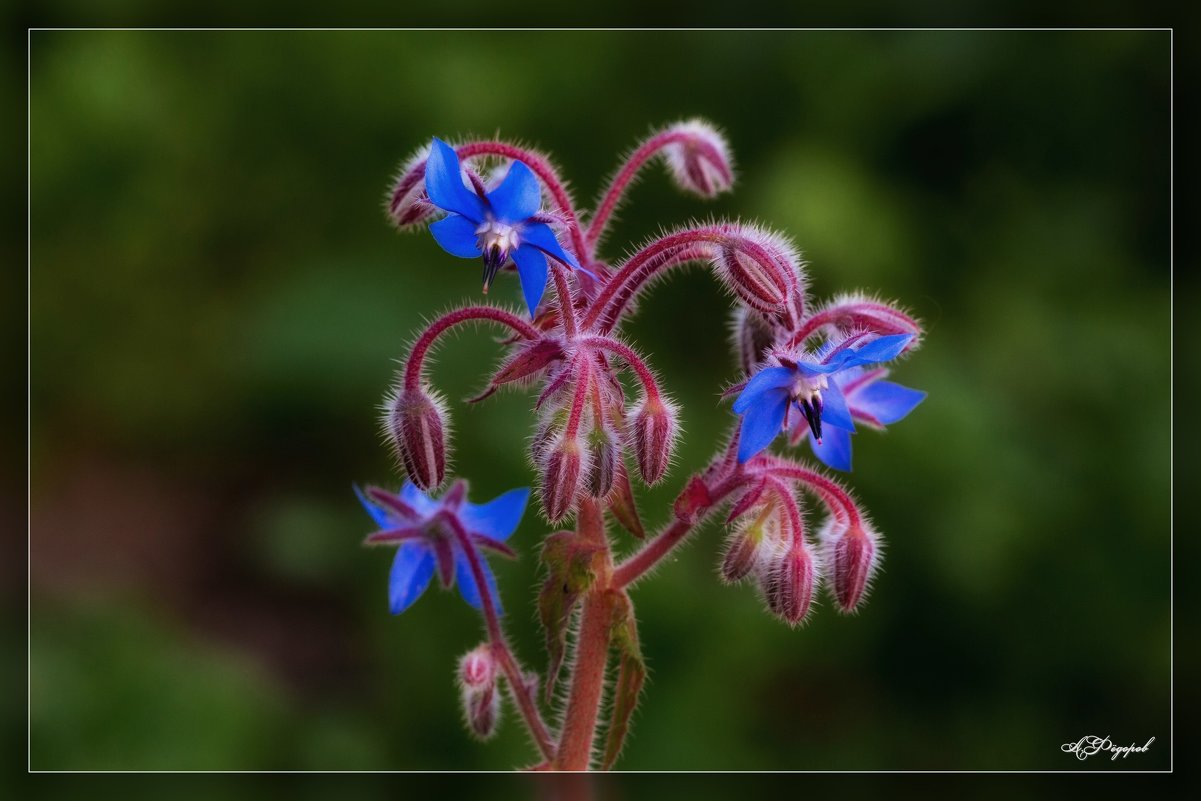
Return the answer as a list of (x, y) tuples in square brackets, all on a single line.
[(427, 533), (494, 225), (810, 383), (871, 400)]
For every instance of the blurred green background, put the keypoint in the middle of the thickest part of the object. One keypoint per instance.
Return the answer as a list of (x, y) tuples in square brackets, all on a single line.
[(217, 303)]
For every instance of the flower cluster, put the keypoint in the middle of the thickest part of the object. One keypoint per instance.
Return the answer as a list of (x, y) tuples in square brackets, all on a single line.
[(810, 372)]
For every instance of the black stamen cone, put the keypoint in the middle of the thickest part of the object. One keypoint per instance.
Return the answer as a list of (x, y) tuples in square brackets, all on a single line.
[(493, 259), (813, 416)]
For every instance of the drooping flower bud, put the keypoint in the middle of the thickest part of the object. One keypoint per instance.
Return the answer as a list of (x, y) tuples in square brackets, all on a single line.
[(414, 423), (407, 204), (603, 458), (753, 337), (752, 536), (758, 281), (852, 555), (788, 577), (478, 691), (653, 431), (700, 161), (563, 466)]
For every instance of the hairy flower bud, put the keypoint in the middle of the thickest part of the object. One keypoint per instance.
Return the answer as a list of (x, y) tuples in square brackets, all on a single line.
[(407, 204), (788, 577), (753, 337), (653, 430), (700, 160), (760, 282), (754, 534), (478, 691), (477, 668), (414, 423), (563, 466), (852, 555), (603, 460)]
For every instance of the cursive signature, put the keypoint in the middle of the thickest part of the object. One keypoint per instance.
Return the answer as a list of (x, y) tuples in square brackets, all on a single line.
[(1092, 744)]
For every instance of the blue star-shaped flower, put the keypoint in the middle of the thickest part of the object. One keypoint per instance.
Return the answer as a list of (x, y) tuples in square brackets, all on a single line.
[(428, 531), (494, 225), (872, 401), (811, 385)]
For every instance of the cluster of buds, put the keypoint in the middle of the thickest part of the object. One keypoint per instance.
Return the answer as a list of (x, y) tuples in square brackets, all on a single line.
[(478, 675), (812, 372)]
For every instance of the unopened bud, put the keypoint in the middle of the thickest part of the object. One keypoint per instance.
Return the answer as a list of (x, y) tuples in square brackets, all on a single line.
[(414, 424), (759, 281), (746, 544), (603, 459), (408, 204), (562, 468), (753, 337), (653, 429), (788, 578), (477, 668), (700, 161), (478, 691), (851, 558)]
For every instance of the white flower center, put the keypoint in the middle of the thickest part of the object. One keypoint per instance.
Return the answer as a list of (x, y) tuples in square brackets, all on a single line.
[(806, 388), (498, 237)]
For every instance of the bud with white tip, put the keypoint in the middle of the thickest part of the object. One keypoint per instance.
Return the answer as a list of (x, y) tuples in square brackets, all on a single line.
[(699, 158), (478, 691)]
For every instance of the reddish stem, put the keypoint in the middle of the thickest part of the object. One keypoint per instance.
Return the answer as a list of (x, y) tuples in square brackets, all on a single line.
[(500, 649), (566, 304), (859, 313), (628, 171), (457, 317), (830, 491), (645, 376), (591, 654)]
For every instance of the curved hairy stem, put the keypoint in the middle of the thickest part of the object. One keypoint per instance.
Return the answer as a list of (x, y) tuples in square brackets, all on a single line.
[(447, 321)]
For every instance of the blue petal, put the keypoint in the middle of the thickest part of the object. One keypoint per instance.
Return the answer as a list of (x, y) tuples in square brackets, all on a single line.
[(467, 584), (879, 350), (531, 267), (766, 379), (444, 183), (378, 513), (498, 518), (542, 237), (456, 234), (834, 409), (417, 499), (518, 197), (835, 448), (887, 402), (761, 423), (412, 570)]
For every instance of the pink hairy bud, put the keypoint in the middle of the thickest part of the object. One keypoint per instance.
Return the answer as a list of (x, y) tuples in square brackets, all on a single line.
[(407, 204), (788, 577), (653, 431), (759, 281), (414, 423), (753, 338), (562, 468), (852, 556), (604, 457), (699, 159), (477, 668)]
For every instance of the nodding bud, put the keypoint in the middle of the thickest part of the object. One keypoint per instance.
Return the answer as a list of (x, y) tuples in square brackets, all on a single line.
[(852, 555), (407, 204), (653, 430), (603, 458), (744, 548), (414, 423), (477, 668), (753, 337), (699, 159), (759, 281), (478, 691), (788, 577), (563, 465)]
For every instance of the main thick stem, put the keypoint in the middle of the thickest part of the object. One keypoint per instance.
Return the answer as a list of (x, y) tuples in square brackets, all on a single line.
[(591, 654)]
